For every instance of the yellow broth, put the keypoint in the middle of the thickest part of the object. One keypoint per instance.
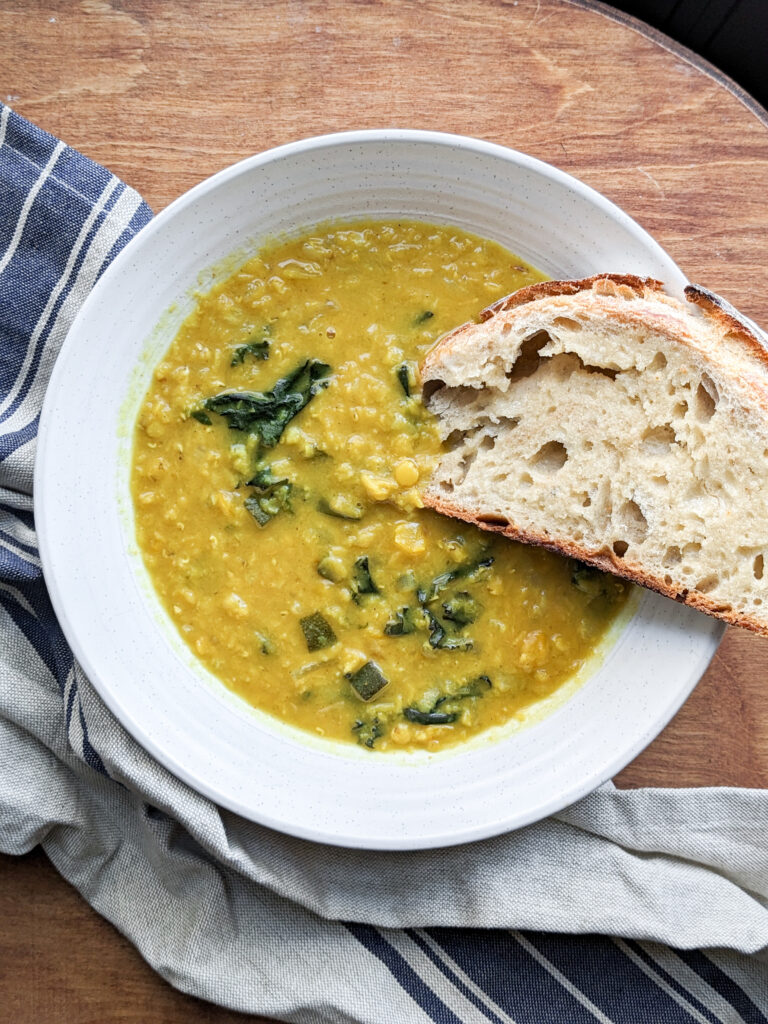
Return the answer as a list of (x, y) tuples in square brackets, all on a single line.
[(288, 542)]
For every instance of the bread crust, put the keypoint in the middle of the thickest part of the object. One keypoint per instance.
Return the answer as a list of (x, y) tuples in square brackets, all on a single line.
[(730, 321), (548, 289), (638, 286), (605, 560), (721, 315), (715, 308)]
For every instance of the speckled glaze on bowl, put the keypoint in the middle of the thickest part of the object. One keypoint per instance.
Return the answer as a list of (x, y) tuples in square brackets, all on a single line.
[(242, 759)]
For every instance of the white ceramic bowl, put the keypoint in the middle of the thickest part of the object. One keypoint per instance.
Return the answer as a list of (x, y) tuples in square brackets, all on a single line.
[(242, 759)]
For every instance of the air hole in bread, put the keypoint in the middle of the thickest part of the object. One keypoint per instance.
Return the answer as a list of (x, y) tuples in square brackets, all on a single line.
[(489, 519), (757, 600), (693, 548), (505, 329), (708, 583), (429, 389), (586, 501), (505, 422), (695, 489), (660, 481), (526, 480), (679, 410), (550, 457), (658, 362), (610, 372), (658, 440), (588, 446), (488, 443), (668, 580), (455, 440), (633, 522), (620, 548), (672, 556), (707, 397), (528, 359), (566, 323), (758, 567), (464, 466), (463, 396)]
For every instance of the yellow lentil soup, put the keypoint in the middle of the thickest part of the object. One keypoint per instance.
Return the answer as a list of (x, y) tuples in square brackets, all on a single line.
[(276, 471)]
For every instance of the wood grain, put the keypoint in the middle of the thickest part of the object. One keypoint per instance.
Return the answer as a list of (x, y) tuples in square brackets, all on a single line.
[(61, 962), (166, 94)]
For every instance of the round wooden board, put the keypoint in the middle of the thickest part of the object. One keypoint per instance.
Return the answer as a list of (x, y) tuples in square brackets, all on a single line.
[(166, 94)]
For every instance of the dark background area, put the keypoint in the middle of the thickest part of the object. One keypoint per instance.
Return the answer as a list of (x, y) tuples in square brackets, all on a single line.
[(731, 34)]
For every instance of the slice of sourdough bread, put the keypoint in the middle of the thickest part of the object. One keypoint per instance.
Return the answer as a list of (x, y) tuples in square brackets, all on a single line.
[(607, 421)]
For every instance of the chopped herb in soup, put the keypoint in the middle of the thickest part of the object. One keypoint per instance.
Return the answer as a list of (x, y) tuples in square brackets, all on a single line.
[(276, 471)]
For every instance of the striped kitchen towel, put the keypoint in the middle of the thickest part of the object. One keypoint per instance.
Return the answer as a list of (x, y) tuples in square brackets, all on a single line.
[(649, 906)]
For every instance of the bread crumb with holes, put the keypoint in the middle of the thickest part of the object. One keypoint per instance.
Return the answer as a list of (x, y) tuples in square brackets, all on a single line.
[(609, 421)]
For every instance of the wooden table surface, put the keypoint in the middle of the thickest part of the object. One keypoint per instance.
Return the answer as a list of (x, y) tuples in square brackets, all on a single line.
[(167, 93)]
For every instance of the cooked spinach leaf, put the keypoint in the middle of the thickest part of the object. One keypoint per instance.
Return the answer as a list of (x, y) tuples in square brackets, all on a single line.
[(257, 349), (317, 632), (368, 731), (362, 581), (462, 608), (268, 497), (459, 610), (266, 414), (402, 624), (201, 417), (473, 688), (445, 709), (406, 375), (368, 680), (430, 717), (439, 638), (422, 317), (465, 571)]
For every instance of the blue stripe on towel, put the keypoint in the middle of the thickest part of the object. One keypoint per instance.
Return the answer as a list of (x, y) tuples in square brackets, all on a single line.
[(514, 980), (29, 607), (608, 978), (481, 1003), (375, 942), (664, 977), (90, 756), (727, 987)]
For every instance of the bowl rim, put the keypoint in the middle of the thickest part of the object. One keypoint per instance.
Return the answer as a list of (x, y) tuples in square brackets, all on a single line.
[(504, 822), (383, 135)]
